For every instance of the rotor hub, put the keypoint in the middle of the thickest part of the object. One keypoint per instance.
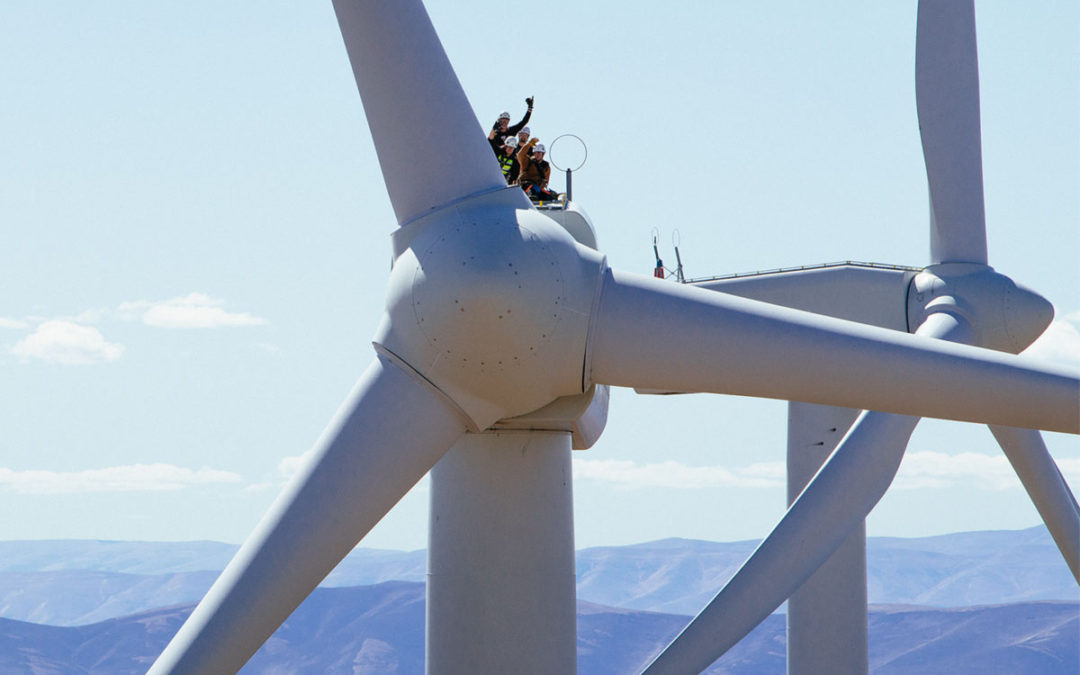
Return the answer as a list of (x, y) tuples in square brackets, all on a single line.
[(489, 311), (1003, 315), (490, 302)]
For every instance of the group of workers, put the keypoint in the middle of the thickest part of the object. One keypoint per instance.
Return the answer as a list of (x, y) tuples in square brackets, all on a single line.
[(521, 157)]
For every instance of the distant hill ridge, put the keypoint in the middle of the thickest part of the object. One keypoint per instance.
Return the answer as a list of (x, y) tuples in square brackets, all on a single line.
[(379, 629), (73, 582)]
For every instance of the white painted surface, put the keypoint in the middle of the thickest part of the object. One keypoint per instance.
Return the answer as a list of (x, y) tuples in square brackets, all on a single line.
[(1003, 315), (501, 586), (1047, 488), (491, 302), (583, 415), (357, 471), (575, 221), (653, 334), (870, 295), (826, 617), (834, 505), (947, 97), (431, 147)]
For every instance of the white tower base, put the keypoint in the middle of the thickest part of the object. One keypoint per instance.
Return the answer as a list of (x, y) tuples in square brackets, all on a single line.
[(501, 587), (826, 621)]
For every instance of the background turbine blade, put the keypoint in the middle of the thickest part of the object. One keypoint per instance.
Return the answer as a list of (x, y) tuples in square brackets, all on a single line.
[(431, 148), (1047, 488), (947, 98), (651, 334), (835, 502), (391, 430)]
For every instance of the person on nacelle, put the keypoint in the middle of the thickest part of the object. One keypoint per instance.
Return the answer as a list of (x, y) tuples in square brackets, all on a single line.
[(502, 127), (508, 161), (523, 137), (535, 172)]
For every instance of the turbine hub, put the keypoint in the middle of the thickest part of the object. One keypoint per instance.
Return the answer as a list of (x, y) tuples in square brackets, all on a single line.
[(1003, 314), (490, 302)]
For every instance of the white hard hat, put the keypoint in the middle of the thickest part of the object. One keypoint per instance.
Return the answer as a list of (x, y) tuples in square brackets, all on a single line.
[(504, 115), (511, 141), (539, 147), (524, 131)]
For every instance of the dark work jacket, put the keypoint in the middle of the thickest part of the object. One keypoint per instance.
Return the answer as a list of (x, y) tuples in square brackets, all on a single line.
[(499, 138)]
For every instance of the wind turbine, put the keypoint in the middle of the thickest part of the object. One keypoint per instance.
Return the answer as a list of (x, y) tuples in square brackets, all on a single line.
[(499, 334), (959, 298)]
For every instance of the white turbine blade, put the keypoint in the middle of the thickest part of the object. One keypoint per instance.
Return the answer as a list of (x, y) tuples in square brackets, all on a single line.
[(651, 334), (431, 148), (1047, 488), (947, 98), (392, 429), (835, 502)]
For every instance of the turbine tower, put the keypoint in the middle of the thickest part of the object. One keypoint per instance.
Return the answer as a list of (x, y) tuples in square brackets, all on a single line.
[(500, 335)]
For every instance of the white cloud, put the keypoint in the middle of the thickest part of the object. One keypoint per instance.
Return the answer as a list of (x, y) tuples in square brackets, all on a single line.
[(1070, 470), (195, 310), (918, 470), (68, 343), (1060, 343), (268, 348), (969, 469), (12, 323), (131, 478), (94, 315), (630, 475), (288, 466)]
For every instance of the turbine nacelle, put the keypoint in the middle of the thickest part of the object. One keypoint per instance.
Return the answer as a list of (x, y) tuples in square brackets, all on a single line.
[(1000, 313), (490, 302)]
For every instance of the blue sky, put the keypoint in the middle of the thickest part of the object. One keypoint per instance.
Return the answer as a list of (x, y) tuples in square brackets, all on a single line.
[(193, 238)]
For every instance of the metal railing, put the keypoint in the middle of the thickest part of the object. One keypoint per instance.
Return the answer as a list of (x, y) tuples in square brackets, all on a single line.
[(819, 266)]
